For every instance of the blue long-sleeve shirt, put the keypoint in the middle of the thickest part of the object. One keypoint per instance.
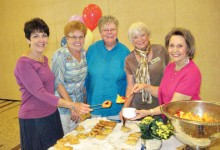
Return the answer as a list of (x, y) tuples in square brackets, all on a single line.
[(106, 76)]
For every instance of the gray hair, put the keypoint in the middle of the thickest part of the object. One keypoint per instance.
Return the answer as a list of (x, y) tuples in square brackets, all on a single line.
[(107, 19), (137, 28)]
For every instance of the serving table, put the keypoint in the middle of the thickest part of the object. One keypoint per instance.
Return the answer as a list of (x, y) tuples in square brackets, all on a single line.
[(116, 140)]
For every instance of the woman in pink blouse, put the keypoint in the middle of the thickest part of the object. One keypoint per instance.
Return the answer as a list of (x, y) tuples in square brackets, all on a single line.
[(182, 78)]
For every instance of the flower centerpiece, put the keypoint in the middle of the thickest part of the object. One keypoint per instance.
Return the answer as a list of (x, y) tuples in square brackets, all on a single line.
[(153, 130)]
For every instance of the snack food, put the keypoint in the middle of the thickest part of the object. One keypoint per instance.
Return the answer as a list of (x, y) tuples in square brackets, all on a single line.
[(67, 148), (131, 142), (85, 116), (71, 139), (135, 134), (120, 99), (191, 116), (107, 104), (62, 147), (133, 138), (100, 136), (81, 136), (125, 129), (79, 128)]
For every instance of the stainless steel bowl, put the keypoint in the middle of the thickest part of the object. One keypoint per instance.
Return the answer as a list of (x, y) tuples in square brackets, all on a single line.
[(196, 134)]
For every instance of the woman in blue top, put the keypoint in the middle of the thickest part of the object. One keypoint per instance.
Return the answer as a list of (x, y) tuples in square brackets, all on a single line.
[(106, 76), (70, 68)]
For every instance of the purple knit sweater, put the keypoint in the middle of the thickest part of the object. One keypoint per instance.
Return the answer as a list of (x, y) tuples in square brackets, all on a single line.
[(36, 83)]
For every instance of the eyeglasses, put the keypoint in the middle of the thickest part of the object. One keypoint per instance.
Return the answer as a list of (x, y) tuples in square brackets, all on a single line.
[(75, 37), (109, 30)]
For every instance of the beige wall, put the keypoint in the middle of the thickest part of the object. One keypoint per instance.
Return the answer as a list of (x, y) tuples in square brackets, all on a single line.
[(202, 17)]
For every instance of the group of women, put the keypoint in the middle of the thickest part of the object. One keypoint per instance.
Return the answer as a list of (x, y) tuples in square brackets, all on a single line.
[(149, 76)]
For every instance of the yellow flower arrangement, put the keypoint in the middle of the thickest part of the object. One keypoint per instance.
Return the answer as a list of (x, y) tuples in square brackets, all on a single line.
[(155, 128)]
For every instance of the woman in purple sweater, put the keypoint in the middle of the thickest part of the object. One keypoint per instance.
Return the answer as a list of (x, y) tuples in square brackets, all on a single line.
[(39, 120)]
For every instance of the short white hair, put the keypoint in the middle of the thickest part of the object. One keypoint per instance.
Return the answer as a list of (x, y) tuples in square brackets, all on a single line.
[(136, 29)]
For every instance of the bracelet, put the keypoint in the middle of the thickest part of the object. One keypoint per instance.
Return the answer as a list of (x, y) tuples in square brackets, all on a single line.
[(152, 112)]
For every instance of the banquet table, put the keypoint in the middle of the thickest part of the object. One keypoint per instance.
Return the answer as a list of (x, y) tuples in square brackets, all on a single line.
[(116, 139)]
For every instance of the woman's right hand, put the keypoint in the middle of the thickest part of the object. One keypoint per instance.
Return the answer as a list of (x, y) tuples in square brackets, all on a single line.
[(82, 108), (138, 87)]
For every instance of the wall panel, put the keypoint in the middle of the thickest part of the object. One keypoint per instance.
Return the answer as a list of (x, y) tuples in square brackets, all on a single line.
[(8, 88), (155, 14), (202, 17)]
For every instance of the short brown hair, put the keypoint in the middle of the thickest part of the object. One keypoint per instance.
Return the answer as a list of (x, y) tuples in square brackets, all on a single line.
[(186, 34), (107, 19), (35, 24), (73, 26)]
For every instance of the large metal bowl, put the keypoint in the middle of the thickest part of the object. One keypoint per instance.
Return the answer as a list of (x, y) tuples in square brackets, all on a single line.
[(196, 134)]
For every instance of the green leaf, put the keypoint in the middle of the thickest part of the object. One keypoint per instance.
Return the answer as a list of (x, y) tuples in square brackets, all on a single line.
[(151, 130)]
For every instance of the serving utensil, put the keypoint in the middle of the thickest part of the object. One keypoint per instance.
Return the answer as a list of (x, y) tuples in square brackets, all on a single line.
[(123, 121), (100, 107), (129, 95), (105, 104), (97, 106)]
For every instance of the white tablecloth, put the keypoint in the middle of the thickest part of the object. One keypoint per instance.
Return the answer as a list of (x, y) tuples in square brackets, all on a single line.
[(171, 144), (115, 140)]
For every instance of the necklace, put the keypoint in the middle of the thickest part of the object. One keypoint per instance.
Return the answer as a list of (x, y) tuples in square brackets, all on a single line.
[(31, 56), (177, 68)]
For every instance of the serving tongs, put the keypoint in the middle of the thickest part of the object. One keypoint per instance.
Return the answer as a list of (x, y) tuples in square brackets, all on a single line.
[(100, 106), (97, 106), (129, 95)]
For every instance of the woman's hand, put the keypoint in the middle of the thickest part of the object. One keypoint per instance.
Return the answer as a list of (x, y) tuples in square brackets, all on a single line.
[(140, 114), (74, 116), (138, 87), (81, 108)]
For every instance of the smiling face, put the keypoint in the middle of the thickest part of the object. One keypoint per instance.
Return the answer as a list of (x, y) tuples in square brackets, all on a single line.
[(140, 41), (109, 33), (75, 40), (177, 49), (38, 41)]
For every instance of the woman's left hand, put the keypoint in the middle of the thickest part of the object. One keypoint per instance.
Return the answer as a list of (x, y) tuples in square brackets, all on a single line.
[(140, 114), (74, 116)]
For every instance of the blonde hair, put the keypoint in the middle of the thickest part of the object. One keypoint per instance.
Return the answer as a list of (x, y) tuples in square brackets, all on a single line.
[(73, 26), (137, 28), (107, 19)]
